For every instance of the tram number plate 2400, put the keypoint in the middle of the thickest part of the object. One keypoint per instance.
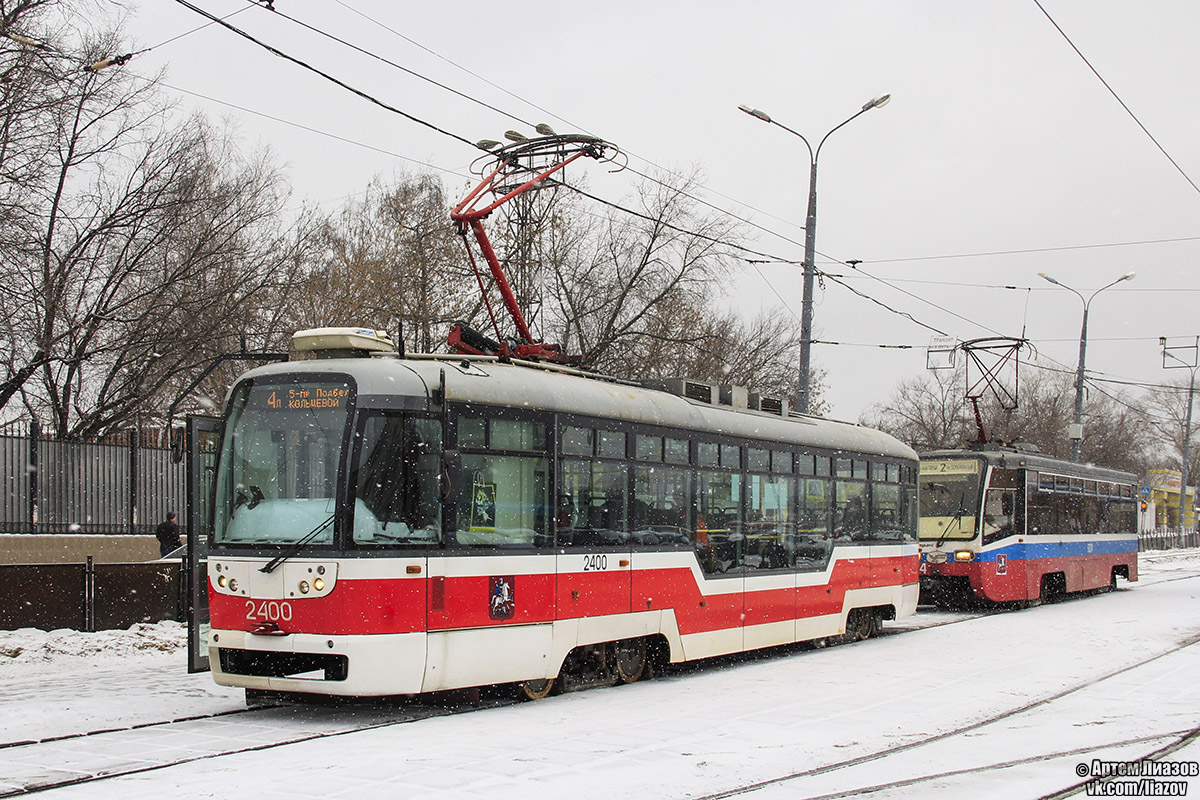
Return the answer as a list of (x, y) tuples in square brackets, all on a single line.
[(596, 563), (270, 611)]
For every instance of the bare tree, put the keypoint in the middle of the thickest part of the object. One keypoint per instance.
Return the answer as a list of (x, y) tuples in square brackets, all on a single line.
[(928, 411), (392, 260), (623, 288), (1168, 411), (144, 247)]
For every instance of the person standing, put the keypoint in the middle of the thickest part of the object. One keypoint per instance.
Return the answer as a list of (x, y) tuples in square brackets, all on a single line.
[(167, 534)]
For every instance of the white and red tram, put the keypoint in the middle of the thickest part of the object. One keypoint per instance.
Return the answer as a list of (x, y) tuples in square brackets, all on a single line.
[(386, 525)]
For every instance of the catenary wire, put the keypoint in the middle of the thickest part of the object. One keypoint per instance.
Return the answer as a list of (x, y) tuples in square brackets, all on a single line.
[(1113, 92), (391, 63), (327, 76), (653, 178), (608, 203)]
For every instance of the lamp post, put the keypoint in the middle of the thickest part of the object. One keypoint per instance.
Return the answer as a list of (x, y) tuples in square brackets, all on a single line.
[(1187, 431), (1075, 432), (810, 241)]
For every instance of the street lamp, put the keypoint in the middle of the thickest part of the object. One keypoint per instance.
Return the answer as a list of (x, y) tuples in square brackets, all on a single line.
[(1075, 431), (810, 240), (1187, 429)]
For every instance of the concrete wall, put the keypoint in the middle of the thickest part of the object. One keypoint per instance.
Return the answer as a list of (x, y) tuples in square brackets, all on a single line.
[(74, 548)]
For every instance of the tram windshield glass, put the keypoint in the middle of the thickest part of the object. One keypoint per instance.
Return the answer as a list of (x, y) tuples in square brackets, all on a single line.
[(949, 493), (278, 468)]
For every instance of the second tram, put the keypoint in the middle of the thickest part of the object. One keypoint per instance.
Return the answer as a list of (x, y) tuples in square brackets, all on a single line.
[(386, 525), (1000, 524)]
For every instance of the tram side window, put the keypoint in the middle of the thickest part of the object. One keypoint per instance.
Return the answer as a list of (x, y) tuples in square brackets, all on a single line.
[(813, 525), (912, 510), (661, 512), (503, 498), (1000, 515), (850, 511), (718, 520), (770, 532), (887, 520), (1060, 514), (1038, 512), (593, 503), (396, 482), (1118, 516), (503, 501)]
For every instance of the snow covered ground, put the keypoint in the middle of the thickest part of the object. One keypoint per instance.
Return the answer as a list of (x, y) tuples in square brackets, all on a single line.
[(1006, 706)]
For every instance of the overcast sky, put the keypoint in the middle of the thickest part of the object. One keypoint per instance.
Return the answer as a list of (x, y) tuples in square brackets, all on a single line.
[(999, 138)]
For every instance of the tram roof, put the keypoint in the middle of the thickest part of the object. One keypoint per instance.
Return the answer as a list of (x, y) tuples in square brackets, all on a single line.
[(1012, 457), (385, 381)]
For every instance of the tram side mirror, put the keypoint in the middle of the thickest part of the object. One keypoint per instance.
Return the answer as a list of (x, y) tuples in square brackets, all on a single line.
[(178, 444), (451, 469)]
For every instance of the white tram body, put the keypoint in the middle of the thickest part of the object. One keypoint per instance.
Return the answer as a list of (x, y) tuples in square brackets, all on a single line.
[(387, 525)]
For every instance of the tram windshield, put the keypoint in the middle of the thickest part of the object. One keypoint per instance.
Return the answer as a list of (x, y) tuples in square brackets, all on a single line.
[(949, 493), (278, 468)]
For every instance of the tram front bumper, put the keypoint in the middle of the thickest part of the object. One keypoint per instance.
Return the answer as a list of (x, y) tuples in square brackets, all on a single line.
[(350, 666)]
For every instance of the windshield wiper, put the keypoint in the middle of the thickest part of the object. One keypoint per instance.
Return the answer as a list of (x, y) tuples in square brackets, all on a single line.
[(954, 523), (297, 547)]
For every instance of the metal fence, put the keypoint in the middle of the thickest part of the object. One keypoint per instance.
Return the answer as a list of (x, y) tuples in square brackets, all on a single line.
[(114, 486), (89, 597), (1167, 540)]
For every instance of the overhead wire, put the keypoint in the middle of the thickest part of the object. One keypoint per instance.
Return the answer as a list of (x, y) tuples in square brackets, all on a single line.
[(644, 175), (327, 76), (317, 131), (1116, 96), (1031, 250), (392, 64), (187, 33), (832, 277), (582, 129)]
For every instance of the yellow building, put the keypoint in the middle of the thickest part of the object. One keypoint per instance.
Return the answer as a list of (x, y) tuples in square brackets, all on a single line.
[(1164, 494)]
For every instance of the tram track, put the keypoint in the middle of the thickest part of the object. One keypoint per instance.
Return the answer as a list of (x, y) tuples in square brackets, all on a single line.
[(410, 713), (67, 737), (262, 716), (342, 720), (1183, 738), (1179, 739), (69, 774)]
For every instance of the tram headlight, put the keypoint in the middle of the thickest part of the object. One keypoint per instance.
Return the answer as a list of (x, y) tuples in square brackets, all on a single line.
[(319, 584), (233, 584), (963, 555), (303, 587), (221, 581)]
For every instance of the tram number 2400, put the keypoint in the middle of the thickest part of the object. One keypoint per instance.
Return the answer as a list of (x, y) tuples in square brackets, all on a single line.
[(597, 563), (272, 611)]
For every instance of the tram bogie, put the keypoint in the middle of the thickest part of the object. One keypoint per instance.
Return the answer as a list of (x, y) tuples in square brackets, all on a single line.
[(386, 526)]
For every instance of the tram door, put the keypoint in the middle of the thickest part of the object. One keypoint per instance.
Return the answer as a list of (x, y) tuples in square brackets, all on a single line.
[(201, 437), (593, 519)]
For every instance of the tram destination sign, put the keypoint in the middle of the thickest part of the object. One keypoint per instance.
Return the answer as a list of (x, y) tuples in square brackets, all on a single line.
[(300, 397), (955, 466)]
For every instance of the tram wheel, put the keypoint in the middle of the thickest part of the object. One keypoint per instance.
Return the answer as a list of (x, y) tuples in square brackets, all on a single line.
[(868, 624), (536, 689), (862, 624), (630, 660)]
